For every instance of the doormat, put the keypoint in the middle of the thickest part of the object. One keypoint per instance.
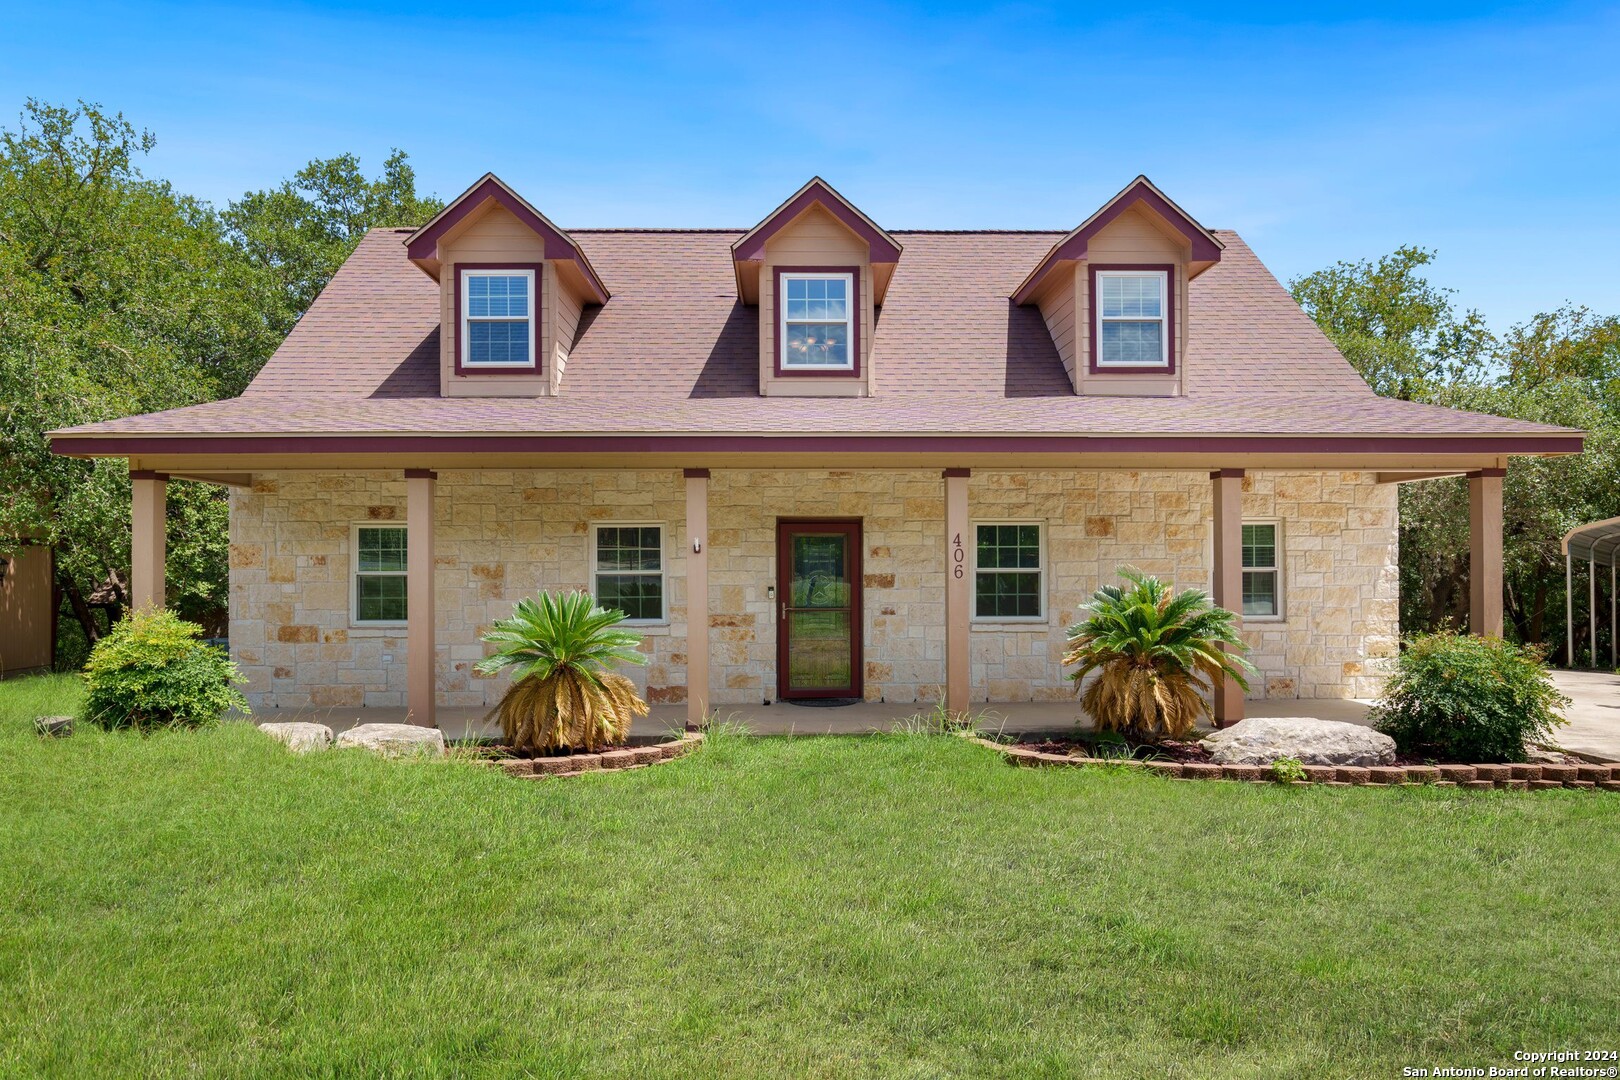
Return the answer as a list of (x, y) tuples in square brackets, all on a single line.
[(821, 702)]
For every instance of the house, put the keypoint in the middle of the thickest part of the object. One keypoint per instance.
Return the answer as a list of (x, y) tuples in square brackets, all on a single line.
[(810, 459)]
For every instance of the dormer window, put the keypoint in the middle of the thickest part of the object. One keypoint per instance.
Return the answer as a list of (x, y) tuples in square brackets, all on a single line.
[(1133, 317), (817, 329), (497, 319)]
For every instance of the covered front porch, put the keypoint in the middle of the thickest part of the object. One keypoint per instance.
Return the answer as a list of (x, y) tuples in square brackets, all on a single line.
[(482, 537)]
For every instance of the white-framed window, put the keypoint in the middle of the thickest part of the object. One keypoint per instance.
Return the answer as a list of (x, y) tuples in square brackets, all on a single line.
[(1132, 318), (497, 319), (1262, 570), (378, 595), (1009, 571), (818, 322), (627, 569)]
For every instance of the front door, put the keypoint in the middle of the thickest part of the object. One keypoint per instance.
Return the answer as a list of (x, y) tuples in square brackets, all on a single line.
[(818, 602)]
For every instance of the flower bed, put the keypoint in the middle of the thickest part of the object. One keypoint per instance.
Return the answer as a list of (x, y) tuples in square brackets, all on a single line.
[(625, 757), (1533, 777)]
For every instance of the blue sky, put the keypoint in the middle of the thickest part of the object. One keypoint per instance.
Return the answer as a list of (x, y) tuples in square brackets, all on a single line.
[(1320, 132)]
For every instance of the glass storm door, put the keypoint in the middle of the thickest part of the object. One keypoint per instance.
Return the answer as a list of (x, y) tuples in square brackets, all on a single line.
[(818, 597)]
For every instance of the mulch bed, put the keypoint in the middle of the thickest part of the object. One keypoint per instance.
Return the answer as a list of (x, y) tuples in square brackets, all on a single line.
[(1187, 761), (528, 765)]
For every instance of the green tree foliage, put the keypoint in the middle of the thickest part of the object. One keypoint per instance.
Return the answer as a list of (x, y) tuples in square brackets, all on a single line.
[(1408, 340), (300, 232), (119, 295)]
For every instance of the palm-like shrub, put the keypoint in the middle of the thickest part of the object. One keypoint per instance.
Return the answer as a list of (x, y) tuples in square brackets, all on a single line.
[(564, 693), (1154, 652)]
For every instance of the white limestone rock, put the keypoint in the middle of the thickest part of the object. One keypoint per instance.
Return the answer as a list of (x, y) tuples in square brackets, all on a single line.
[(1261, 740), (300, 738), (394, 740)]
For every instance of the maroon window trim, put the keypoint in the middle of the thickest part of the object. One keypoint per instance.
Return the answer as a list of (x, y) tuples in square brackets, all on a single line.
[(1169, 271), (855, 323), (853, 528), (539, 367)]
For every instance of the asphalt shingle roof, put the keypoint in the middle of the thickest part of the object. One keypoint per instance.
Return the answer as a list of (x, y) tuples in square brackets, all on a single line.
[(674, 351)]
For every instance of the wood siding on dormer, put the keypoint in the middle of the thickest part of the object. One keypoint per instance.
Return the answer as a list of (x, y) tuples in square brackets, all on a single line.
[(1134, 238), (815, 239), (496, 236)]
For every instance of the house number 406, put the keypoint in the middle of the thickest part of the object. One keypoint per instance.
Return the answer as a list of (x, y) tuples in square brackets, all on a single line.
[(958, 557)]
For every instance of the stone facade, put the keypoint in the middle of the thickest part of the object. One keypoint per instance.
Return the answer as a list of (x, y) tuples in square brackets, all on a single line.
[(504, 535)]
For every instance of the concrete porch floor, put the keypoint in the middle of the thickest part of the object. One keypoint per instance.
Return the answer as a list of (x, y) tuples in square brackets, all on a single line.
[(1013, 718)]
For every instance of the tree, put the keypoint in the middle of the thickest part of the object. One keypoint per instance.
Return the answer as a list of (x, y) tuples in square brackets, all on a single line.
[(117, 295), (1563, 367), (1402, 333), (300, 232)]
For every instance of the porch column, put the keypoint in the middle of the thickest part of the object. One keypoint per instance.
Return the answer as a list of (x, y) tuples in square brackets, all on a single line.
[(147, 542), (1485, 552), (958, 578), (421, 682), (697, 596), (1226, 576)]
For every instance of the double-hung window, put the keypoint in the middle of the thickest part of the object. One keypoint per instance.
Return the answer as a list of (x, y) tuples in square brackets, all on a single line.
[(1262, 570), (628, 567), (497, 319), (1008, 571), (818, 320), (379, 574), (1133, 328)]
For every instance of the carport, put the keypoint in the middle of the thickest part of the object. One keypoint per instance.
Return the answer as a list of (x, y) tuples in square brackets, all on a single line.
[(1596, 544)]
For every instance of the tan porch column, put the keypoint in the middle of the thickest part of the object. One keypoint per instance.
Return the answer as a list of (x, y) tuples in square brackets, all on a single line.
[(1485, 552), (1226, 576), (421, 682), (958, 579), (697, 596), (148, 548)]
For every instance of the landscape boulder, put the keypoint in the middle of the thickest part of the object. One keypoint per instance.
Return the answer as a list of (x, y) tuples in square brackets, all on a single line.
[(394, 740), (1262, 740), (56, 727), (300, 738)]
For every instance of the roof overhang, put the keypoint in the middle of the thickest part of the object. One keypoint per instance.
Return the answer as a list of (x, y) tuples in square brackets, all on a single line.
[(748, 253), (422, 246), (1383, 452), (1205, 249)]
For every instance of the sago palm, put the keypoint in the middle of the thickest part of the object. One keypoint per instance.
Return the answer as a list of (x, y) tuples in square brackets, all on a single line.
[(1154, 652), (564, 692)]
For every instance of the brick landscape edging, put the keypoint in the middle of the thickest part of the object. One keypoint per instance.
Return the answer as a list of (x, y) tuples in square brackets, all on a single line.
[(634, 757), (1471, 777)]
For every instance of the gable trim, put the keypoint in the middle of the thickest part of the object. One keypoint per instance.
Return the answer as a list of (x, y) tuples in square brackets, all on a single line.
[(423, 243), (750, 247), (1205, 247)]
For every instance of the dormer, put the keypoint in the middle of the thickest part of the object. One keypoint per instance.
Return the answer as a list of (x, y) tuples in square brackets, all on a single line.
[(817, 268), (1114, 293), (512, 287)]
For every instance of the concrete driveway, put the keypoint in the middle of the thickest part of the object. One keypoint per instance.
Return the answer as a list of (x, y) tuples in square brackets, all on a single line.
[(1594, 718)]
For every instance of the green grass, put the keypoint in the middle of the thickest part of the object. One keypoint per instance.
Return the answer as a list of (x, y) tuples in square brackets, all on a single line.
[(205, 903)]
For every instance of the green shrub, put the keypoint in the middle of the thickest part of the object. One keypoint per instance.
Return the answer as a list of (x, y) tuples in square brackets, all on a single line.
[(1455, 697), (1287, 770), (155, 671)]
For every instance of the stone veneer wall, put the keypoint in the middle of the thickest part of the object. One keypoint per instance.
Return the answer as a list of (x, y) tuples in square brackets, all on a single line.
[(500, 536), (504, 535)]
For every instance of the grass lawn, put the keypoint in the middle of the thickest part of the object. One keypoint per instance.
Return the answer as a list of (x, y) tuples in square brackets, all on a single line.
[(209, 904)]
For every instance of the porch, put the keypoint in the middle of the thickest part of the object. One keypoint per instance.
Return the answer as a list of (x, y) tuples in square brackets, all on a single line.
[(782, 718), (479, 539)]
